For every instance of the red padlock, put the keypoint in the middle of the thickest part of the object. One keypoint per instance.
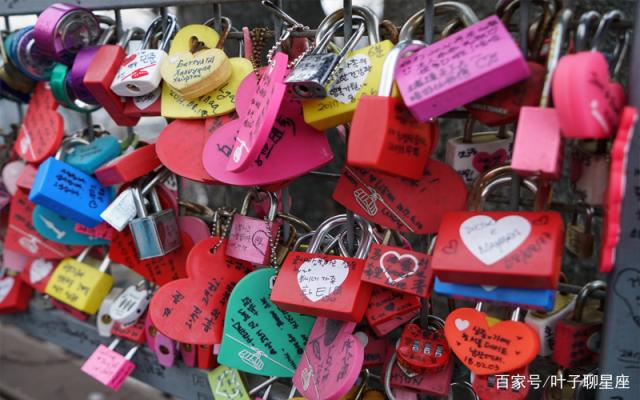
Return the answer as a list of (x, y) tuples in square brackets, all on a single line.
[(504, 248), (423, 349), (100, 74), (512, 385), (14, 295), (386, 305), (206, 358), (323, 285), (129, 166), (384, 135), (134, 332)]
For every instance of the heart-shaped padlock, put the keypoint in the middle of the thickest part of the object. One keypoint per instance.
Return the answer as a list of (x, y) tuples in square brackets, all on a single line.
[(423, 349)]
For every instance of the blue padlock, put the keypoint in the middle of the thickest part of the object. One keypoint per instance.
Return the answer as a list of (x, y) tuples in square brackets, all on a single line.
[(538, 299), (89, 157), (58, 229), (68, 191)]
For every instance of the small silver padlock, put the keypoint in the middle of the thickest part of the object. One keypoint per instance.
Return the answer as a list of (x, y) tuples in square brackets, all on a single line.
[(310, 76), (123, 208), (154, 234), (580, 238)]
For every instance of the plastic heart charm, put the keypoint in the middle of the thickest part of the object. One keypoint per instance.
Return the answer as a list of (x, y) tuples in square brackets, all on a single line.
[(503, 347), (191, 310), (192, 75), (248, 343), (587, 103), (331, 361)]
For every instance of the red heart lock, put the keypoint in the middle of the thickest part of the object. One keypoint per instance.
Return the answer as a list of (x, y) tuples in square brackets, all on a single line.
[(423, 350), (484, 161), (180, 145), (192, 310), (399, 203), (23, 237), (503, 347), (42, 127), (587, 103), (503, 107), (129, 166)]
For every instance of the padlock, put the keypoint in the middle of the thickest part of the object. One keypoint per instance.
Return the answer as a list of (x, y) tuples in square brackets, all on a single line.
[(108, 367), (80, 285), (384, 135), (588, 102), (156, 234), (398, 269), (590, 165), (482, 59), (358, 74), (104, 322), (37, 272), (545, 322), (131, 303), (252, 239), (165, 349), (28, 58), (129, 166), (523, 249), (326, 286), (577, 338), (421, 350), (14, 295), (62, 92), (189, 354), (100, 74), (84, 58), (388, 309), (512, 385), (134, 332), (123, 208), (88, 158), (139, 73), (198, 70), (311, 74), (538, 145), (474, 153), (62, 29), (580, 238), (68, 191), (536, 299)]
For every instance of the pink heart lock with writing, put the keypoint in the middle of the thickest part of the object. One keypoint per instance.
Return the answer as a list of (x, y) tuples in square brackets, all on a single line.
[(292, 147)]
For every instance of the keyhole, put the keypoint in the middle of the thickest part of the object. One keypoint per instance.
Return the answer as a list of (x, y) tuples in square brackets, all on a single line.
[(106, 319), (152, 331), (133, 87), (186, 346), (164, 350)]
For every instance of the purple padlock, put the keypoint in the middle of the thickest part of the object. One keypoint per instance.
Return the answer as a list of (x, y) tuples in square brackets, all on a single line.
[(76, 74), (34, 63), (165, 349), (63, 29)]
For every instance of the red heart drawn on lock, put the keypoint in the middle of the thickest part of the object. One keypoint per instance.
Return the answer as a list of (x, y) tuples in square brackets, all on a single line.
[(484, 161), (331, 361), (23, 237), (402, 204), (42, 128), (587, 103), (128, 59), (485, 350), (192, 310)]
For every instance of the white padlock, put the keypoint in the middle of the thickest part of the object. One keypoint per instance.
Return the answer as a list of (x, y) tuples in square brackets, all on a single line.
[(139, 73), (131, 304), (104, 322)]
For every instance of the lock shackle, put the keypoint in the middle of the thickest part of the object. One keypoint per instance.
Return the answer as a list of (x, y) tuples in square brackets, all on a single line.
[(295, 221), (335, 221), (159, 176), (67, 144), (488, 181), (138, 200), (170, 24), (391, 61), (587, 20), (464, 14), (371, 21), (606, 22), (155, 200), (252, 195), (104, 264), (622, 44), (470, 123), (516, 314), (589, 212), (505, 9), (108, 33), (558, 34), (83, 254), (324, 41), (280, 13), (583, 295), (129, 35), (197, 209)]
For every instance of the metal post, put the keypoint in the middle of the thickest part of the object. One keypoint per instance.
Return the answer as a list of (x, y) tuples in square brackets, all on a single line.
[(217, 17), (429, 16), (348, 22)]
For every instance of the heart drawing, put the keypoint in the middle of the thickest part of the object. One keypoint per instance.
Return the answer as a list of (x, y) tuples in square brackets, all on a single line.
[(40, 269), (490, 240), (6, 285), (318, 278), (484, 161), (395, 261)]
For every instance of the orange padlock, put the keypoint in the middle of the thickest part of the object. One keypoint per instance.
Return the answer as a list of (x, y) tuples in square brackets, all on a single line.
[(384, 135), (101, 73)]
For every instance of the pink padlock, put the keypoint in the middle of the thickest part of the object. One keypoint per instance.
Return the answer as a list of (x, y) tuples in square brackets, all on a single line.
[(165, 349), (188, 354), (537, 148), (14, 261), (250, 238), (461, 68), (108, 367)]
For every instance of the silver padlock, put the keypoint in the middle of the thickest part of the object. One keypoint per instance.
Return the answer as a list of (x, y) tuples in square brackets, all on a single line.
[(123, 208), (156, 234), (309, 77)]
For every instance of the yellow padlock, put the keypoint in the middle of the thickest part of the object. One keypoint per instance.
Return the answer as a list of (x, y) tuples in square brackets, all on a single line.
[(80, 285), (216, 102), (358, 74)]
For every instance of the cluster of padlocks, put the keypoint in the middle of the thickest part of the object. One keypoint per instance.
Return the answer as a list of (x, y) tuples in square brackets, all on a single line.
[(341, 310)]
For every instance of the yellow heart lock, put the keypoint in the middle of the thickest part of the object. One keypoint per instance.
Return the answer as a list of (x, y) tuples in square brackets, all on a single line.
[(193, 75), (211, 103)]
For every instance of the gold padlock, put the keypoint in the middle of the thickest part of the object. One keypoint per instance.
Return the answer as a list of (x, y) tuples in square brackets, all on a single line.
[(579, 238)]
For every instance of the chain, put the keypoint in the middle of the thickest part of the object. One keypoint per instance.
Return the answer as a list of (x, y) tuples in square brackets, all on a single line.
[(273, 244), (259, 39), (225, 228)]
